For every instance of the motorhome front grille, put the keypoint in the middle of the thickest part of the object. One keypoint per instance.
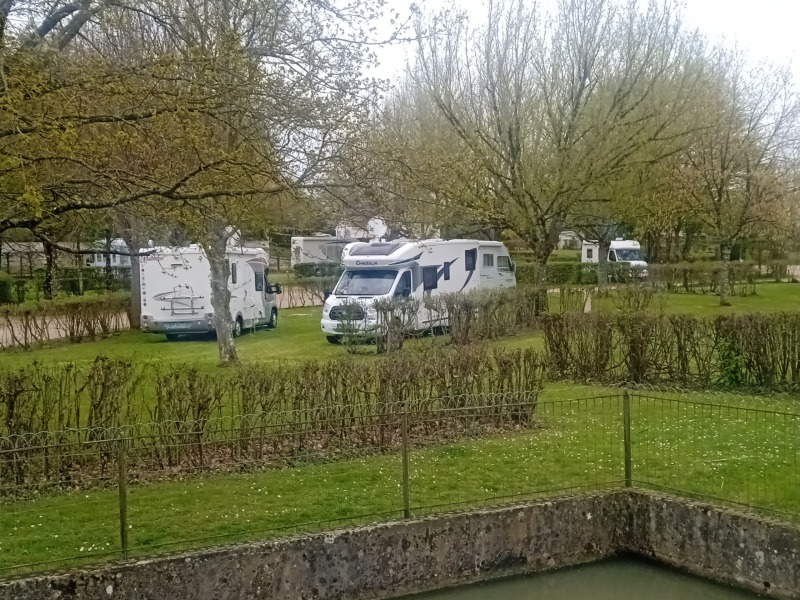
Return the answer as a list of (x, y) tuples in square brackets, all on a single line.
[(347, 313)]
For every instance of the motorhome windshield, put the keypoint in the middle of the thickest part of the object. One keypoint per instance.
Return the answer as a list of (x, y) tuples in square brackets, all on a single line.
[(369, 282), (628, 254)]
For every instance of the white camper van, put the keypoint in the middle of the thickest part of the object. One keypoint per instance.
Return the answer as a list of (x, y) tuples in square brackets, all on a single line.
[(318, 249), (416, 269), (620, 251), (176, 290)]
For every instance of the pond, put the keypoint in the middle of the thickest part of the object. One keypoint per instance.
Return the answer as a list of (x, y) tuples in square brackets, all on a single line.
[(610, 580)]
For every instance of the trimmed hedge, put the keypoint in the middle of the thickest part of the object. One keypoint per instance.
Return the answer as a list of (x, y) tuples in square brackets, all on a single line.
[(761, 350), (326, 270), (75, 319), (572, 273), (13, 290)]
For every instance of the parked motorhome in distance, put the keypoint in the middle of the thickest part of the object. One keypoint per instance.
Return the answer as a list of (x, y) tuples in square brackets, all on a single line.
[(621, 250), (318, 249), (176, 291), (411, 269)]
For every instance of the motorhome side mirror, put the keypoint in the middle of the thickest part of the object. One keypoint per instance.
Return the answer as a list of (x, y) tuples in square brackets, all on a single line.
[(513, 267), (278, 289), (326, 294)]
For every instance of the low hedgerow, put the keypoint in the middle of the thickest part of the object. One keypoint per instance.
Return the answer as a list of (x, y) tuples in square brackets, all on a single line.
[(761, 350), (62, 423), (74, 318)]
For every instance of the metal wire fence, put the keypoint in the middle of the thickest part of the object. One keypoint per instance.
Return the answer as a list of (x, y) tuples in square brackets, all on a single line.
[(82, 496)]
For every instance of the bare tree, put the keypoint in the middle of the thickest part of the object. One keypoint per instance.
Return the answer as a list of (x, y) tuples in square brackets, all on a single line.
[(210, 110), (552, 108), (738, 169)]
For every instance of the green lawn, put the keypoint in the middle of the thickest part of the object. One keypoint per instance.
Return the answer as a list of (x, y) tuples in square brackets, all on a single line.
[(298, 336), (744, 454), (770, 297)]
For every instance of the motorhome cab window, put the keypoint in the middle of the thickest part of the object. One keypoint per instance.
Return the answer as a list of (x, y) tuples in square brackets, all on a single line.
[(430, 278), (259, 281), (503, 263), (233, 272), (372, 282), (628, 254), (488, 260), (403, 289), (612, 257)]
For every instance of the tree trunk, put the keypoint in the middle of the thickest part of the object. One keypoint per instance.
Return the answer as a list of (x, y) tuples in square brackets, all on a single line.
[(108, 274), (724, 274), (48, 287), (221, 299), (602, 265), (79, 266), (541, 299), (135, 308)]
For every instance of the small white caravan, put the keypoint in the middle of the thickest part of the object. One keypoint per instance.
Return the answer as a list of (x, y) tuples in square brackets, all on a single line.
[(176, 290), (318, 249), (412, 269), (620, 251)]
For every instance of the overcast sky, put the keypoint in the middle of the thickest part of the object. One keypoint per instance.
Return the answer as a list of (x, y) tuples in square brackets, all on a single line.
[(765, 29)]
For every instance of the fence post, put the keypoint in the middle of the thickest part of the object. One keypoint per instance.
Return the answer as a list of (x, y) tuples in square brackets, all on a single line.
[(626, 428), (123, 497), (406, 490)]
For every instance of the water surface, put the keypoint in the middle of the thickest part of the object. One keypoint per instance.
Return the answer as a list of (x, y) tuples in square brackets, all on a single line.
[(613, 580)]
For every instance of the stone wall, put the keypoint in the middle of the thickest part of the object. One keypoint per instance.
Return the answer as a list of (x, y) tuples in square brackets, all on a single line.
[(388, 560), (371, 562), (721, 545)]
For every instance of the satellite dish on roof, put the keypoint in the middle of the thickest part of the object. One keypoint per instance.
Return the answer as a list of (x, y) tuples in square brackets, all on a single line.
[(377, 228)]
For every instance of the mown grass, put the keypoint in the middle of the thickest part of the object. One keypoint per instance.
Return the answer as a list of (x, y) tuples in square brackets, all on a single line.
[(769, 297), (750, 457), (298, 336), (741, 450)]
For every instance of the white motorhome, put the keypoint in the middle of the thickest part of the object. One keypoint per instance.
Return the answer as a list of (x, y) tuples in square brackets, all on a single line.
[(176, 290), (620, 250), (318, 249), (412, 269)]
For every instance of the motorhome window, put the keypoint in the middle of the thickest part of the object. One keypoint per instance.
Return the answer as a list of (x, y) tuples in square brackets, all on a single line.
[(503, 263), (375, 249), (403, 288), (446, 271), (628, 254), (611, 256), (368, 282), (488, 260), (430, 278), (259, 281), (333, 252), (589, 253), (470, 259), (233, 272)]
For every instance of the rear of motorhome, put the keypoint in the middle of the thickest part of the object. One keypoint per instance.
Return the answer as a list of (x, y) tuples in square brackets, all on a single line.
[(318, 249), (418, 269), (176, 291)]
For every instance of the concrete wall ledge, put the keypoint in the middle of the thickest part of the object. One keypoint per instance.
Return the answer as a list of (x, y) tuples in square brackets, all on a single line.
[(393, 559)]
